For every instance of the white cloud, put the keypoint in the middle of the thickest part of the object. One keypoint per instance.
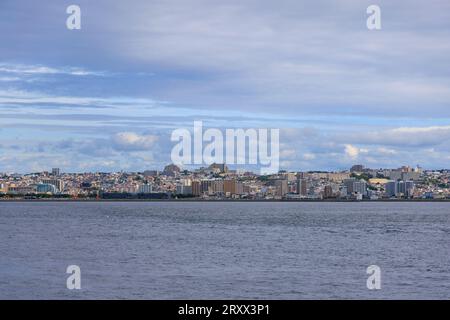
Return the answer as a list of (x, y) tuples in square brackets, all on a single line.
[(351, 151), (14, 96), (23, 69), (401, 137), (131, 141), (309, 156)]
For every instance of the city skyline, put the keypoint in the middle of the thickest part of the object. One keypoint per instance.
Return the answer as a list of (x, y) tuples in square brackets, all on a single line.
[(106, 98), (218, 182)]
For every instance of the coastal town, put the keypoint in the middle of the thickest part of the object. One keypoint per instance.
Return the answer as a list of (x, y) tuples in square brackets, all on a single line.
[(218, 182)]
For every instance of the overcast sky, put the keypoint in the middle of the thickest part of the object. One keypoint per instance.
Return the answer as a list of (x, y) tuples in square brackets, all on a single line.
[(107, 97)]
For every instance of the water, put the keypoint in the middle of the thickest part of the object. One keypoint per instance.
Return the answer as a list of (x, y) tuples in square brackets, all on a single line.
[(179, 250)]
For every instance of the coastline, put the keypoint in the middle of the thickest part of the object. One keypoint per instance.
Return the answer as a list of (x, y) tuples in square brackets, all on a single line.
[(224, 200)]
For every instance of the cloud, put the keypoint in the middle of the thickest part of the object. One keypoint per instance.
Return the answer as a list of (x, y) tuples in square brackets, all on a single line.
[(22, 69), (255, 55), (401, 137), (130, 141), (352, 151), (24, 97), (9, 79)]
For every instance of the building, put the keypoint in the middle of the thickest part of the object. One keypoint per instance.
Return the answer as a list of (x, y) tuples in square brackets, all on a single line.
[(184, 189), (302, 187), (390, 188), (219, 167), (282, 187), (59, 184), (406, 188), (196, 188), (338, 176), (229, 186), (233, 187), (55, 172), (411, 175), (360, 187), (399, 188), (218, 187), (343, 193), (145, 188), (46, 188), (21, 189), (349, 183), (328, 192), (212, 186), (357, 168)]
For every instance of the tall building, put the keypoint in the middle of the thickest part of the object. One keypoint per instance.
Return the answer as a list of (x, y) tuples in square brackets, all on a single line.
[(348, 183), (282, 187), (302, 187), (196, 188), (229, 186), (406, 188), (409, 188), (218, 186), (391, 188), (328, 192), (55, 172), (397, 188), (301, 175), (360, 187)]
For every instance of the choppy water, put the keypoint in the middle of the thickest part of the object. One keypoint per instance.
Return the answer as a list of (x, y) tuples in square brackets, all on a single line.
[(168, 250)]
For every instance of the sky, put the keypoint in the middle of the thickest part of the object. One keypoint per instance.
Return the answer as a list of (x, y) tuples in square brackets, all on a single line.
[(108, 96)]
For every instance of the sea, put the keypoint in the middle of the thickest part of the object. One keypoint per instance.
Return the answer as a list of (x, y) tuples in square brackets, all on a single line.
[(224, 250)]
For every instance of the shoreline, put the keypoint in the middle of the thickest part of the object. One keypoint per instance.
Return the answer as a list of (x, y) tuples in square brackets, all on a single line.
[(223, 200)]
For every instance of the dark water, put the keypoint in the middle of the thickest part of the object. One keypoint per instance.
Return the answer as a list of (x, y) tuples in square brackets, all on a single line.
[(224, 250)]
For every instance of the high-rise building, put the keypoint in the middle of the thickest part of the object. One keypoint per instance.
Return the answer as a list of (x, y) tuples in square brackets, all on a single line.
[(406, 188), (409, 188), (196, 188), (218, 186), (328, 192), (397, 188), (55, 172), (229, 186), (302, 187), (212, 187), (360, 187), (348, 183), (282, 187), (391, 188), (343, 192)]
